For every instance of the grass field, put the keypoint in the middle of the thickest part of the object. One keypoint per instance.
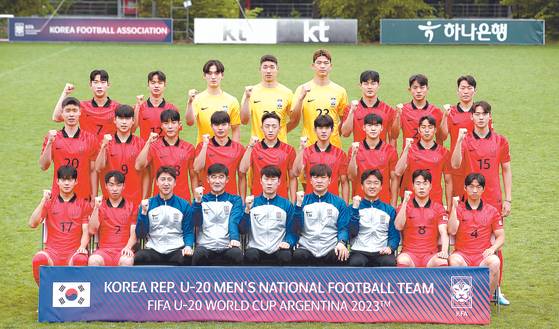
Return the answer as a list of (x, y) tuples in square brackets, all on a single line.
[(518, 81)]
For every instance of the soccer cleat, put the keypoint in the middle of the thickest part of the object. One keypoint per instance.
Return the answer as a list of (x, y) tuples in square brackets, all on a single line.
[(501, 298)]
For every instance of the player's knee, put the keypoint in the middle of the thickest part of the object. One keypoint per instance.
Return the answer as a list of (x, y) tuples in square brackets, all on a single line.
[(387, 260), (40, 259), (96, 260), (404, 260), (252, 256), (235, 255), (78, 260), (126, 261), (493, 263), (284, 257), (456, 260), (357, 260)]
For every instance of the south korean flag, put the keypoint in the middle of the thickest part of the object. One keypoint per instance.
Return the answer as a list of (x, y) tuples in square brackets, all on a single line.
[(71, 294)]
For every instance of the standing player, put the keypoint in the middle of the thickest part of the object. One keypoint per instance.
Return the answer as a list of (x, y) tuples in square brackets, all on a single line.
[(322, 151), (74, 147), (372, 223), (473, 222), (119, 152), (374, 153), (269, 219), (369, 103), (267, 96), (170, 151), (202, 105), (324, 220), (165, 220), (319, 96), (428, 155), (270, 151), (115, 221), (221, 149), (146, 114), (218, 215), (66, 219), (99, 112), (422, 222), (408, 115)]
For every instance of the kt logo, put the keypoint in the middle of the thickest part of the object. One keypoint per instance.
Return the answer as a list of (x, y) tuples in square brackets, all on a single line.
[(310, 32)]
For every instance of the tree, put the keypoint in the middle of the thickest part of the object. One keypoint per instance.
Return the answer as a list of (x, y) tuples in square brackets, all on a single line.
[(539, 9), (26, 7)]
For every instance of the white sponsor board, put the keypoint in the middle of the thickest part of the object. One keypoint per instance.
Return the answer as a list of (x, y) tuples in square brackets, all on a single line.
[(222, 30)]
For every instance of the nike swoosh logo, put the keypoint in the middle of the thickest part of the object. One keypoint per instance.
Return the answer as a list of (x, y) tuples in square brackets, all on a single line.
[(256, 102), (310, 100), (203, 108)]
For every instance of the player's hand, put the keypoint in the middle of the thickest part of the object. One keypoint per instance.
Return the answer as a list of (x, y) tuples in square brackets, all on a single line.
[(505, 211), (342, 252), (198, 193), (145, 204), (455, 201), (187, 251), (191, 95), (385, 251), (442, 254), (356, 201), (152, 138), (488, 252), (409, 141), (399, 108), (205, 139), (353, 106), (106, 139), (139, 99), (249, 201), (234, 244), (462, 132), (300, 197), (407, 196), (51, 136), (447, 108), (284, 245), (248, 91), (303, 142), (81, 250), (68, 89), (253, 141), (46, 194), (306, 89), (127, 252), (98, 202)]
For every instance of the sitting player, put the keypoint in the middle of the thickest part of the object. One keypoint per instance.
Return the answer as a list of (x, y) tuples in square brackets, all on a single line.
[(66, 224)]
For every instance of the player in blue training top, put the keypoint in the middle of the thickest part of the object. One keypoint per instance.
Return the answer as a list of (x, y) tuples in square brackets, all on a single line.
[(323, 219), (166, 221), (269, 221), (372, 223), (218, 215)]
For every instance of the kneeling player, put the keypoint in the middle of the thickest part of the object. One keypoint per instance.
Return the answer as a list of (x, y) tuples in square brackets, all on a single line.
[(115, 221), (269, 218), (65, 217), (218, 215), (373, 222), (473, 222), (323, 218), (422, 223)]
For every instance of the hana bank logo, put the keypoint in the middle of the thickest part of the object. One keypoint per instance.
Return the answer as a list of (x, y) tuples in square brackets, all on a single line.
[(461, 291)]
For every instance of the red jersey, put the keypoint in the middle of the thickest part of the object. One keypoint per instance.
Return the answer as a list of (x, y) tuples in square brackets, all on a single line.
[(281, 155), (63, 223), (333, 156), (115, 222), (122, 156), (383, 157), (436, 160), (476, 227), (229, 155), (98, 120), (485, 155), (77, 151), (149, 118), (180, 156), (411, 114), (380, 108), (421, 231)]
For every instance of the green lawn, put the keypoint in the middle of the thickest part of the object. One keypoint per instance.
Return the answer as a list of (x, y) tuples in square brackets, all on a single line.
[(520, 83)]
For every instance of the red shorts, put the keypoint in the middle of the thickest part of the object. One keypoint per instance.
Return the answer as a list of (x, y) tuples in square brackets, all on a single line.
[(60, 258), (471, 259), (420, 259), (111, 256)]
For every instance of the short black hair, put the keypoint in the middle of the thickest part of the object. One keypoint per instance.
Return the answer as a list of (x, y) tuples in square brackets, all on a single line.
[(372, 119), (371, 172), (468, 78), (429, 119), (484, 105), (268, 115), (67, 172), (213, 62), (103, 75), (369, 75), (320, 170), (169, 115), (271, 171), (426, 174), (166, 170), (124, 111), (118, 176), (323, 121), (159, 74), (220, 117), (70, 101), (420, 79), (268, 58), (475, 176), (218, 168)]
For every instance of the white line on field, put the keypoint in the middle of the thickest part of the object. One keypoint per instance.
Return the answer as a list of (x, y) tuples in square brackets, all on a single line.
[(38, 60)]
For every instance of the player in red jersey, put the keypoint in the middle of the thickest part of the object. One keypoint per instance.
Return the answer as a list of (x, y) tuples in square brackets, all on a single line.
[(422, 223), (370, 103), (408, 115), (323, 152), (428, 155), (65, 216), (473, 222), (97, 113), (170, 151), (119, 152), (221, 149), (374, 153), (72, 146), (114, 219), (270, 151), (146, 113)]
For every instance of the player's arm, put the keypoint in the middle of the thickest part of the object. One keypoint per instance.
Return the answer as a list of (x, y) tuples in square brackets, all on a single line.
[(453, 222), (194, 183), (393, 234), (235, 218), (36, 216), (355, 216), (497, 244), (507, 184), (57, 112), (352, 168), (394, 186), (142, 223), (347, 126), (142, 159), (94, 217), (244, 165), (101, 160), (344, 182), (400, 220), (139, 101), (190, 116), (456, 159), (242, 184), (443, 232), (448, 188), (295, 115), (343, 233), (402, 163), (396, 124), (46, 154), (443, 129), (245, 105), (127, 250), (298, 164), (146, 183), (94, 179), (187, 231), (236, 133), (84, 240), (200, 160)]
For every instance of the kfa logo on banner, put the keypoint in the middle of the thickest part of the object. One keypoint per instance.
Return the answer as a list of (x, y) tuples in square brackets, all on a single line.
[(461, 287), (71, 294)]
